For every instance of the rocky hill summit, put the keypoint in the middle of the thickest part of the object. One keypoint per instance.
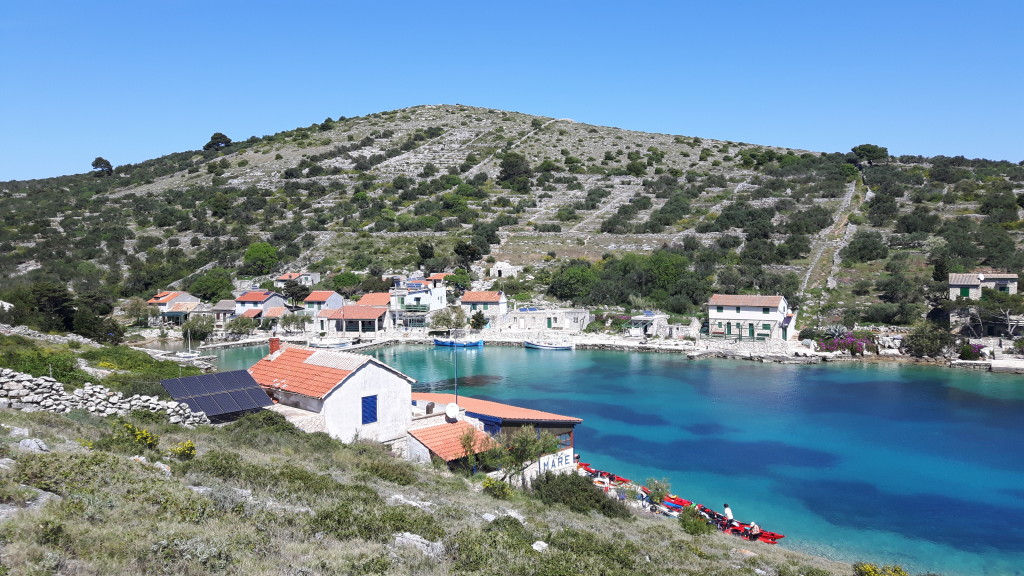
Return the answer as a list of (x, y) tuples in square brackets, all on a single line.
[(447, 186)]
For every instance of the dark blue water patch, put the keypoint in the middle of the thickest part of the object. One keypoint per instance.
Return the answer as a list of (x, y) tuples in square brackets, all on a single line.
[(955, 522), (613, 412), (1017, 494), (710, 455), (707, 429)]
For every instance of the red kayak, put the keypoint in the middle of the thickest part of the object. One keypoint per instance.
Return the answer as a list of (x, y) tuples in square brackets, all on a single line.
[(738, 528)]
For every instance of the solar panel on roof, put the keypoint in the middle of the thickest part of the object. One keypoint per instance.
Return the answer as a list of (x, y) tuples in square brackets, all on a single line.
[(218, 394)]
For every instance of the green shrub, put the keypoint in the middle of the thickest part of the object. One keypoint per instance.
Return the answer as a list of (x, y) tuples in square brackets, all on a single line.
[(388, 468), (578, 493), (618, 552), (127, 438), (868, 569), (693, 523), (497, 489), (183, 451)]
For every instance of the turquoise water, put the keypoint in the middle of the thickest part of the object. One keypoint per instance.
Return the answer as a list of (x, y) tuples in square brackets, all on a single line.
[(917, 466)]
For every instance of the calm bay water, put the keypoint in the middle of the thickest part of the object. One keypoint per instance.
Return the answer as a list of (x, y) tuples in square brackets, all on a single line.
[(917, 466)]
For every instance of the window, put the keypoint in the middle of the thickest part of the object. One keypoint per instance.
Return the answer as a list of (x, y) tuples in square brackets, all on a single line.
[(369, 409), (737, 309), (485, 306), (1004, 288), (719, 324), (766, 326), (472, 306), (564, 440), (719, 309), (766, 311), (965, 292)]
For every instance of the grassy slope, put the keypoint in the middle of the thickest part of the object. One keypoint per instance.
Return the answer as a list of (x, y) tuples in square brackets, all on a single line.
[(276, 501)]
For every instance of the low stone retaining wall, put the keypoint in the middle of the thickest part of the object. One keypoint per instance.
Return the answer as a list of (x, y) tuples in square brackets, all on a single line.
[(30, 393)]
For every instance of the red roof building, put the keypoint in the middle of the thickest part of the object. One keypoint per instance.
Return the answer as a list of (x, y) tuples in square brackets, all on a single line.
[(445, 440), (355, 394), (375, 299)]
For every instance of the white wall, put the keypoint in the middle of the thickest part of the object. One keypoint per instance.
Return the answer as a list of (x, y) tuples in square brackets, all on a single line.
[(343, 407)]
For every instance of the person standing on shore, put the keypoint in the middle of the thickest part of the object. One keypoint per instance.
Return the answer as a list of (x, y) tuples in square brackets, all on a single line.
[(728, 515)]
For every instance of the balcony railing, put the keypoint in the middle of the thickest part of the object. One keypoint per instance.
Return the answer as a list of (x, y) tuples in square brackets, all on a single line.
[(416, 307)]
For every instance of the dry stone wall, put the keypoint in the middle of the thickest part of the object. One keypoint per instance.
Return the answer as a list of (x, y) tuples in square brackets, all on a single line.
[(31, 393)]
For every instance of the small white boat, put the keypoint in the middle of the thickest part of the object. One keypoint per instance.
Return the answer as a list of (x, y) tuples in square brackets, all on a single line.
[(188, 354), (548, 345), (458, 342), (329, 343)]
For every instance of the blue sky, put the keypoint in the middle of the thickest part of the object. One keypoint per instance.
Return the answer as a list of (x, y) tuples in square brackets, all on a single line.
[(135, 80)]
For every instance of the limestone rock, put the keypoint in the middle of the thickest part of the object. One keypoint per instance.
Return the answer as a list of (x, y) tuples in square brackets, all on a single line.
[(540, 546), (34, 445), (433, 549)]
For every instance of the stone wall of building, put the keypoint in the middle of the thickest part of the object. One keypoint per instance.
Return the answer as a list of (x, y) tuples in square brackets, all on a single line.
[(31, 393)]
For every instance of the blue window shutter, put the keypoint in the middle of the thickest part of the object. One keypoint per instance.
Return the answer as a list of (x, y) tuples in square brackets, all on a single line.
[(369, 409)]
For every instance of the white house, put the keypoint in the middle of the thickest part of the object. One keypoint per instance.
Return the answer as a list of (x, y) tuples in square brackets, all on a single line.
[(968, 286), (492, 304), (750, 317), (174, 306), (303, 278), (413, 300), (252, 304), (353, 320), (349, 395), (568, 320), (323, 300)]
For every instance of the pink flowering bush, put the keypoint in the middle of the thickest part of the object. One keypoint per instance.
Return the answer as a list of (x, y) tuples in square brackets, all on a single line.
[(971, 351), (846, 343)]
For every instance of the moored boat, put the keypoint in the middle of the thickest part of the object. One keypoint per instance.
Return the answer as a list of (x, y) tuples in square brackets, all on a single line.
[(547, 346), (457, 342)]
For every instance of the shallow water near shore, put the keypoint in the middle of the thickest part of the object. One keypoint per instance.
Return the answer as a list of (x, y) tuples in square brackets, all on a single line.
[(893, 464)]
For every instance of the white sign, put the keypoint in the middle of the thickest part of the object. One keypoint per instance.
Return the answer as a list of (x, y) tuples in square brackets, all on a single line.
[(556, 461)]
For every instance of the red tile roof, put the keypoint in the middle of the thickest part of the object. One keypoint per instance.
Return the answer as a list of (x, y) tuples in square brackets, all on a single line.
[(163, 297), (319, 295), (255, 296), (445, 440), (310, 372), (183, 306), (353, 312), (439, 276), (744, 300), (375, 299), (288, 370), (486, 296), (275, 312), (496, 409), (359, 312), (253, 313), (291, 276)]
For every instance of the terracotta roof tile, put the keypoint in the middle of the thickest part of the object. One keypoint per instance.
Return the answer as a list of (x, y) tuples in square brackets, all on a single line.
[(183, 306), (744, 300), (495, 409), (288, 370), (375, 299), (485, 296), (319, 295), (255, 296), (360, 312), (291, 276), (253, 313), (445, 440), (439, 276), (331, 314), (163, 297), (275, 312)]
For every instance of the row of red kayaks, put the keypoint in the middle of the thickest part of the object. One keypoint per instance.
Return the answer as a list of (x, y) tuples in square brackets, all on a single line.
[(672, 505)]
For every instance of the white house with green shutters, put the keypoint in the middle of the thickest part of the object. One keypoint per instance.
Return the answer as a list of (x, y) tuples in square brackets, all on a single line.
[(968, 286), (746, 317)]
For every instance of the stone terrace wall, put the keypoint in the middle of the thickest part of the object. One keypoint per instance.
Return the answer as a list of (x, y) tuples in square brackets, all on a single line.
[(30, 393)]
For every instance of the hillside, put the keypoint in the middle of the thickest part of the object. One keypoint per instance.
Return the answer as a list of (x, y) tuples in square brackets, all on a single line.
[(260, 497), (851, 236)]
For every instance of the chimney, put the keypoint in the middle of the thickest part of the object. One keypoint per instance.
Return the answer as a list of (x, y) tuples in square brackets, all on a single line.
[(275, 345)]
